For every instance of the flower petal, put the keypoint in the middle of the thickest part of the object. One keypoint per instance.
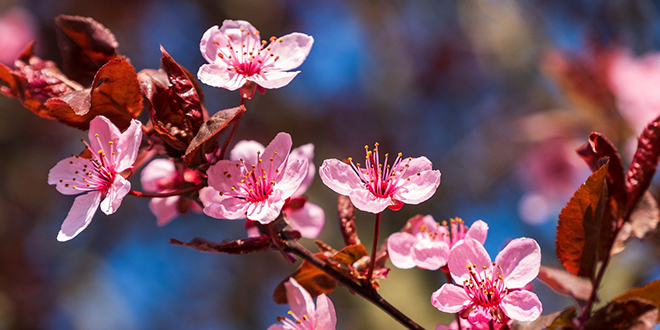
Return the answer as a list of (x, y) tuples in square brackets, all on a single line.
[(165, 209), (430, 255), (478, 231), (305, 151), (208, 196), (220, 75), (222, 175), (226, 208), (419, 188), (294, 174), (520, 261), (340, 177), (128, 146), (468, 252), (450, 298), (299, 299), (207, 45), (156, 171), (365, 201), (292, 50), (268, 210), (308, 220), (278, 149), (62, 175), (416, 165), (246, 150), (79, 216), (273, 79), (101, 132), (399, 249), (522, 305), (118, 190), (326, 317)]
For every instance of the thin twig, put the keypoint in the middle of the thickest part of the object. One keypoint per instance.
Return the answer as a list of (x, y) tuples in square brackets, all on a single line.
[(168, 194)]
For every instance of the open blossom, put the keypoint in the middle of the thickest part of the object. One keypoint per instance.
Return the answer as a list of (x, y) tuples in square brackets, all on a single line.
[(163, 176), (465, 325), (100, 177), (491, 291), (304, 315), (303, 216), (236, 55), (255, 187), (378, 185), (425, 243)]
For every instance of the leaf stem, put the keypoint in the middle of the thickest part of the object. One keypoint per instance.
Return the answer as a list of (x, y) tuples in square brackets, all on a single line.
[(168, 194), (374, 247), (367, 292)]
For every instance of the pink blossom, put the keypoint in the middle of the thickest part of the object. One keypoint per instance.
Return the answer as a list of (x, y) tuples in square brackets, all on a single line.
[(491, 291), (101, 177), (303, 216), (304, 315), (163, 176), (256, 187), (236, 55), (379, 186), (425, 243), (17, 30), (465, 325)]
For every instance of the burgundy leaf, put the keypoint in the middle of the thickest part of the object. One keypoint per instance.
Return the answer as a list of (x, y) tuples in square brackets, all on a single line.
[(206, 138), (649, 292), (241, 246), (623, 315), (314, 280), (566, 283), (642, 222), (644, 163), (593, 152)]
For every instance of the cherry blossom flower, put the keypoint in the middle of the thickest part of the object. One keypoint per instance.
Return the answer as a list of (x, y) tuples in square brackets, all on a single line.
[(237, 55), (379, 186), (425, 243), (304, 315), (491, 291), (465, 325), (303, 216), (101, 177), (162, 176), (17, 30), (256, 187)]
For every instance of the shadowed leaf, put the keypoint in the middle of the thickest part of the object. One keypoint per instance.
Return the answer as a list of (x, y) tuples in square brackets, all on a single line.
[(208, 134), (115, 93), (562, 319), (596, 149), (643, 222), (241, 246), (649, 292), (350, 254), (346, 212), (85, 45), (580, 221), (566, 283), (644, 163), (311, 278), (634, 314)]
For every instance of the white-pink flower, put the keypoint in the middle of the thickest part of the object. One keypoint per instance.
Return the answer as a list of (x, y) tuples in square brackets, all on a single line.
[(465, 325), (425, 243), (491, 290), (303, 216), (163, 176), (378, 185), (236, 55), (304, 315), (100, 177), (256, 187)]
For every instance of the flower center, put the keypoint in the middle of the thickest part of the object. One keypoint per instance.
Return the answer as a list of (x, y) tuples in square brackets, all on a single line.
[(296, 323), (96, 173), (486, 291), (382, 182), (256, 182), (252, 58)]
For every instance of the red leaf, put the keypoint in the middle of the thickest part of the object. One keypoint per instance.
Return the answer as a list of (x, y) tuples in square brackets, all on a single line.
[(241, 246), (644, 163), (566, 283), (85, 44), (596, 149), (208, 134), (346, 212), (622, 315), (314, 280), (350, 254), (649, 292), (580, 222), (115, 93)]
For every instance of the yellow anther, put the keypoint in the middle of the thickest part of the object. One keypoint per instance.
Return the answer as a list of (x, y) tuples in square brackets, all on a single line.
[(485, 267), (100, 151), (350, 159), (96, 134), (233, 188), (110, 142), (376, 144), (270, 159), (74, 186), (250, 191), (259, 160), (399, 154)]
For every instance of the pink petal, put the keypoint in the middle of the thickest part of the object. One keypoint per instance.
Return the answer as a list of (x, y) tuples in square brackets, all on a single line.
[(165, 209), (277, 326), (365, 201), (226, 208), (208, 49), (340, 177), (308, 220), (419, 188), (468, 252), (326, 317), (246, 150), (479, 314), (220, 75), (416, 165), (430, 255), (522, 305), (520, 261), (273, 79), (450, 298), (292, 50), (208, 196), (155, 171), (427, 221), (65, 171), (101, 132), (478, 231), (128, 146), (305, 151), (399, 248), (266, 211), (278, 149), (299, 299), (233, 28), (80, 215), (118, 190), (294, 174), (218, 172)]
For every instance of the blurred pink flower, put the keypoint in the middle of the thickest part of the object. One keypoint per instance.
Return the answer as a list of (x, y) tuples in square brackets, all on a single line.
[(491, 291), (426, 244), (378, 186), (17, 30), (306, 316), (237, 55), (112, 153), (162, 176), (248, 187)]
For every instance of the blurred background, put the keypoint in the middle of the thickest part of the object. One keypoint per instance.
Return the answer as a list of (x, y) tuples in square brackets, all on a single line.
[(496, 93)]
